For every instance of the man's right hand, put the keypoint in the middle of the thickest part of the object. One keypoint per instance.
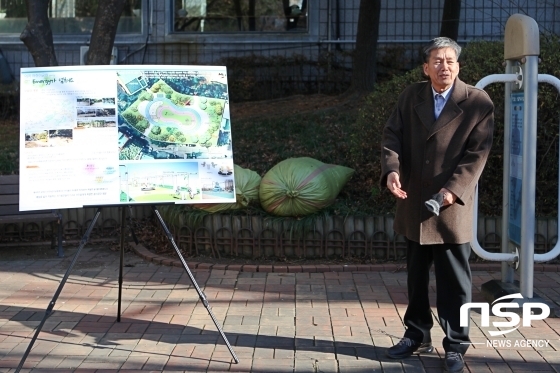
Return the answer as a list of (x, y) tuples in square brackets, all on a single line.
[(394, 185)]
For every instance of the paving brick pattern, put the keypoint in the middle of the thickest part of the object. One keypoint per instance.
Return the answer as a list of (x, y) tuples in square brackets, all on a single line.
[(301, 319)]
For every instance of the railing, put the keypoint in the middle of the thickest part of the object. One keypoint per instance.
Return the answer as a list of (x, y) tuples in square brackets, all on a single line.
[(255, 236)]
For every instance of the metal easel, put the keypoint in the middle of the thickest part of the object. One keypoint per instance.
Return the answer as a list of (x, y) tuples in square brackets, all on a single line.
[(83, 242)]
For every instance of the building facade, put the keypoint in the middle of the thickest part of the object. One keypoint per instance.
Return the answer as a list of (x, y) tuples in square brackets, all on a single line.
[(284, 46)]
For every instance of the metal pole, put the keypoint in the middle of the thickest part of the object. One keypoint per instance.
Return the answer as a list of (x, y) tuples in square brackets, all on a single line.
[(555, 251), (507, 269), (59, 233), (526, 255), (193, 281), (51, 305), (510, 257), (123, 215)]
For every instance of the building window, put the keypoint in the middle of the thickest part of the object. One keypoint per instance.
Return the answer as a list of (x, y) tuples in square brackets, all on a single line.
[(72, 17), (234, 16)]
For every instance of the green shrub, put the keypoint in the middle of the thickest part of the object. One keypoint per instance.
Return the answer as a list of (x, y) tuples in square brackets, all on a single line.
[(365, 139), (9, 146), (156, 130)]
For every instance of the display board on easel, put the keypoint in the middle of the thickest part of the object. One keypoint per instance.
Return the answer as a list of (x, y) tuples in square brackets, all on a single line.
[(101, 135), (127, 134)]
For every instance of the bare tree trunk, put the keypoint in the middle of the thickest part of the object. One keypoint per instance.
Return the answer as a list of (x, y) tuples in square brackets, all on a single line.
[(364, 73), (104, 31), (450, 19), (238, 14), (252, 19), (37, 35)]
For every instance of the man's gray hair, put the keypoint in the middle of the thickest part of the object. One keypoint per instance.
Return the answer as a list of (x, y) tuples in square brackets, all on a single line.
[(441, 42)]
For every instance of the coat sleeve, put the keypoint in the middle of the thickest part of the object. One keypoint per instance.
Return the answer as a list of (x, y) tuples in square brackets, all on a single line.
[(391, 145), (477, 148)]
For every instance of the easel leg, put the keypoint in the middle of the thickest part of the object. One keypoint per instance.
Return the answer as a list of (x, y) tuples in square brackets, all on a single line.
[(121, 267), (51, 305), (193, 281), (123, 215), (59, 236)]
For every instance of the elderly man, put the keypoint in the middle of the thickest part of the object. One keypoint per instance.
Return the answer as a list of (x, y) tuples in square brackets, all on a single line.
[(437, 140)]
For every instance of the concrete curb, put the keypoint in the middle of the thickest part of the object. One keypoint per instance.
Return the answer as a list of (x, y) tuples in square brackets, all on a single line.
[(147, 255)]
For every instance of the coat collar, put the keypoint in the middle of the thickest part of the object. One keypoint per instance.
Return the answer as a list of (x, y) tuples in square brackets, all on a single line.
[(425, 106)]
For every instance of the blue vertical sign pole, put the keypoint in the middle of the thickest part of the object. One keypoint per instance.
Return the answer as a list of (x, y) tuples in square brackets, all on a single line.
[(515, 166)]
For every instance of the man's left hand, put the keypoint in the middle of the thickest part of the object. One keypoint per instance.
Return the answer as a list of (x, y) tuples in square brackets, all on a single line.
[(448, 197)]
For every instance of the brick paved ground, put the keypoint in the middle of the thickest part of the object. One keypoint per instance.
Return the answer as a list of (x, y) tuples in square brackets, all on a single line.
[(318, 321)]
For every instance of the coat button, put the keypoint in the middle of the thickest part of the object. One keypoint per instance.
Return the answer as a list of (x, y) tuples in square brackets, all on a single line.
[(427, 161)]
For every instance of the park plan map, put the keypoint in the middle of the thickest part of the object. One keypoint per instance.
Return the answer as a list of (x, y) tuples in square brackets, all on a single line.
[(125, 135)]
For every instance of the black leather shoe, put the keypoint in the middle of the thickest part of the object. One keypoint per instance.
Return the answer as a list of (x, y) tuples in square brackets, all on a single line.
[(407, 347), (454, 362)]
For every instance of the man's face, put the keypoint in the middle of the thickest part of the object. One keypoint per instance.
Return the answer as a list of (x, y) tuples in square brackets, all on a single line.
[(442, 68)]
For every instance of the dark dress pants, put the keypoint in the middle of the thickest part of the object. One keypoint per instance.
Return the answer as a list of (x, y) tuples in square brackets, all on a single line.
[(453, 284)]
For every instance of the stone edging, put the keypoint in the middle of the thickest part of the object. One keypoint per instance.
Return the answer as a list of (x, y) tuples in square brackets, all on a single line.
[(146, 254)]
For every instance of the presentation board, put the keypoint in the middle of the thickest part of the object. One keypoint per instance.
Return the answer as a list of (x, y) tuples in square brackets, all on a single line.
[(127, 134)]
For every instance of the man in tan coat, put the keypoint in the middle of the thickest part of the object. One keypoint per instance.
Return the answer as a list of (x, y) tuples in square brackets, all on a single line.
[(437, 140)]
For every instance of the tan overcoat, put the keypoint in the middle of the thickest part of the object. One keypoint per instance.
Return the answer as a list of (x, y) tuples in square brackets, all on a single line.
[(431, 154)]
